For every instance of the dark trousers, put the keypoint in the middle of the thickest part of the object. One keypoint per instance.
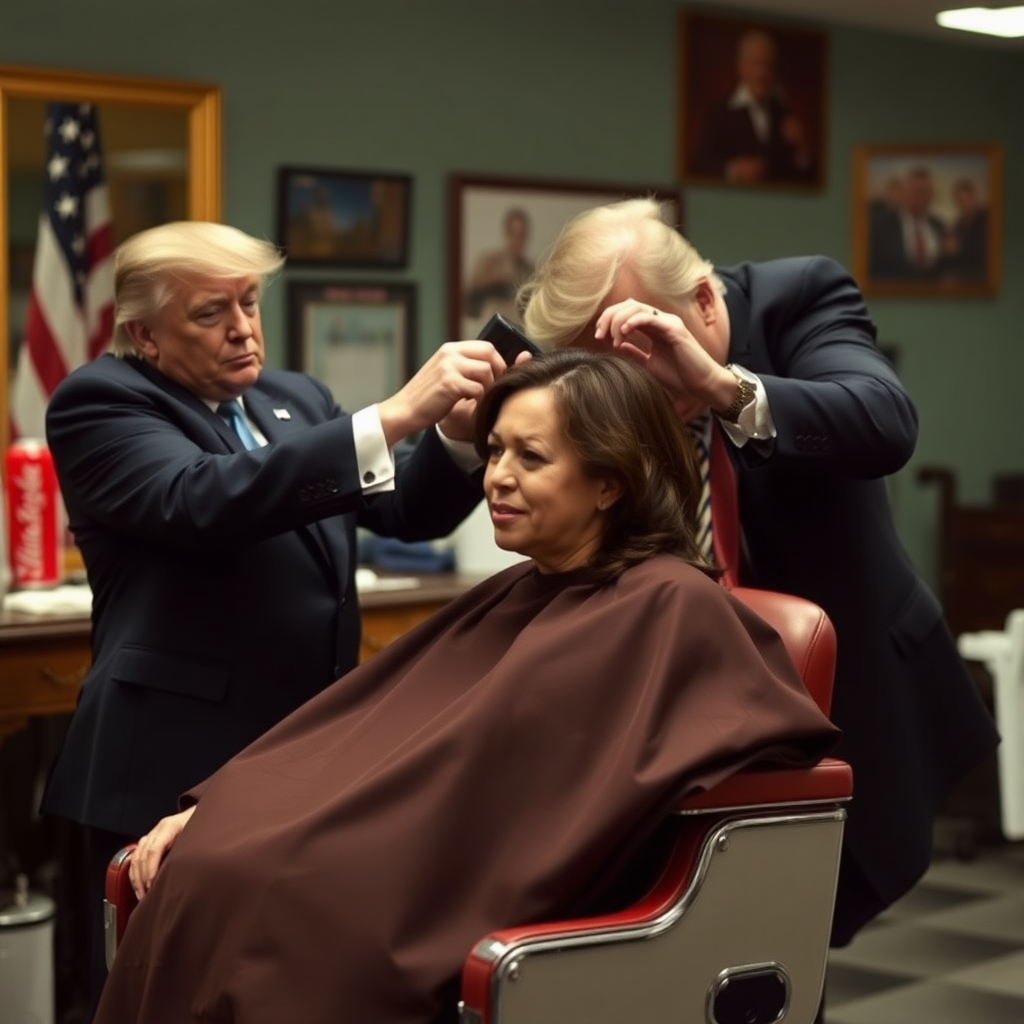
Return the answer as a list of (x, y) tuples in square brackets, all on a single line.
[(856, 904), (100, 847)]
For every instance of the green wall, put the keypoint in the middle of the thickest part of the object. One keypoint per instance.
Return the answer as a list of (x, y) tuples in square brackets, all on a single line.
[(565, 88)]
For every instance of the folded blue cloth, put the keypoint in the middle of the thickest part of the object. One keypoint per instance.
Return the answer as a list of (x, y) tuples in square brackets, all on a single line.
[(405, 556)]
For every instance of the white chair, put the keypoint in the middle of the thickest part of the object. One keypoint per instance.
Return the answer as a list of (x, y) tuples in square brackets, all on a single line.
[(1002, 653)]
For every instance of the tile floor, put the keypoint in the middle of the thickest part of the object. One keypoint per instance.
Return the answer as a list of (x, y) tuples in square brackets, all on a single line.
[(950, 952)]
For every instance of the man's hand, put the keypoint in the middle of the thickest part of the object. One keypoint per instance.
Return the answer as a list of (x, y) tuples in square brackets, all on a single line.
[(444, 391), (746, 169), (662, 344), (458, 424), (791, 128)]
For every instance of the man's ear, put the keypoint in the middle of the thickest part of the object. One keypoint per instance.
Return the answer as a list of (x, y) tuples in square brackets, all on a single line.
[(142, 338), (706, 301)]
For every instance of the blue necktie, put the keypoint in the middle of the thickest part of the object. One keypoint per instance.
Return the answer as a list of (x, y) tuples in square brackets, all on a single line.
[(232, 412)]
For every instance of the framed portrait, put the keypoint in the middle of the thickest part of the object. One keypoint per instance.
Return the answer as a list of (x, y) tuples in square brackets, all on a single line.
[(499, 227), (751, 102), (344, 218), (356, 337), (927, 219)]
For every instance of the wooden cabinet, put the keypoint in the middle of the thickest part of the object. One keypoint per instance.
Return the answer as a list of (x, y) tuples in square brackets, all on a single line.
[(981, 552), (43, 661), (383, 625), (387, 614), (42, 664)]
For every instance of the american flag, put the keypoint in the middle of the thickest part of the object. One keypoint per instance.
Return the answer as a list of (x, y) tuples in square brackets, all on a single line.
[(71, 309)]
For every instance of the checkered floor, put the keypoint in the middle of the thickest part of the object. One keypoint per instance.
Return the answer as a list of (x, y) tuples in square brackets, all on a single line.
[(950, 952)]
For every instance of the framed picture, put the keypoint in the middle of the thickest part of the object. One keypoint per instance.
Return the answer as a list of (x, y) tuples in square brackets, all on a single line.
[(500, 226), (356, 337), (344, 218), (751, 102), (927, 219)]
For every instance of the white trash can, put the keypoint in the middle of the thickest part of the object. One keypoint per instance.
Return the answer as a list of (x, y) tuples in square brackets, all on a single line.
[(26, 956)]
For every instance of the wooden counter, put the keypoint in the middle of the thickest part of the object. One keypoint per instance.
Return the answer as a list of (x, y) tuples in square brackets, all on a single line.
[(387, 614), (44, 660)]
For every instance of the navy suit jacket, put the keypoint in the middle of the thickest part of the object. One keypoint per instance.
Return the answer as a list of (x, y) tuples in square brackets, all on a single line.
[(816, 522), (223, 580)]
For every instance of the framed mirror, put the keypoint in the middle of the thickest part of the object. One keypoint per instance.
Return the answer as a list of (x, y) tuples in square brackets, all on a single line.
[(161, 158)]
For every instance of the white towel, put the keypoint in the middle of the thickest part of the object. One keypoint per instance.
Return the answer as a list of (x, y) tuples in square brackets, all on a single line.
[(65, 600)]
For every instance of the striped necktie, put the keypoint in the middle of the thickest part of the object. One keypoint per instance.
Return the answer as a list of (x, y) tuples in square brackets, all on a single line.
[(232, 412), (718, 527), (700, 430)]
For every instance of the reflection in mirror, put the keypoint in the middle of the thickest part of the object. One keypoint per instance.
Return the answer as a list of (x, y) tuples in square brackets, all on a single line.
[(160, 151)]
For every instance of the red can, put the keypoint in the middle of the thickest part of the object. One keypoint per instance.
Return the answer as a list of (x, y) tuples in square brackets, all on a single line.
[(35, 516)]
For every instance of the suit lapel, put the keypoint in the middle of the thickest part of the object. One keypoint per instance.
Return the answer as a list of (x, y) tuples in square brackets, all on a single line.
[(328, 544), (193, 403), (275, 422)]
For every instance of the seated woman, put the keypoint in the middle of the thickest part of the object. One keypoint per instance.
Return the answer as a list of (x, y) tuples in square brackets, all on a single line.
[(496, 765)]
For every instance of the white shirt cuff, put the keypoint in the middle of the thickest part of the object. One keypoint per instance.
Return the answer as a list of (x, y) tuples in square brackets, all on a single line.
[(373, 457), (755, 421)]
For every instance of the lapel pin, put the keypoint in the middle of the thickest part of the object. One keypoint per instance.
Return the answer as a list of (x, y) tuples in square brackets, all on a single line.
[(282, 414)]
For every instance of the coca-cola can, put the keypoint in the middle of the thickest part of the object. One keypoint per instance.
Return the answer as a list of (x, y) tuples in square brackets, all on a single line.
[(35, 516)]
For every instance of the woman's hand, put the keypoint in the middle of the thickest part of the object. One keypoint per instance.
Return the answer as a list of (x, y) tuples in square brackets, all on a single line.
[(150, 849)]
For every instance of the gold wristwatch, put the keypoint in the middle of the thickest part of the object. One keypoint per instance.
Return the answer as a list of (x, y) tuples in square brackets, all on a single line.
[(745, 394)]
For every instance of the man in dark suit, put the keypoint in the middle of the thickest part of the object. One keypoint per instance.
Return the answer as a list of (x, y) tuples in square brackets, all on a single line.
[(966, 249), (814, 417), (754, 135), (223, 568), (907, 240)]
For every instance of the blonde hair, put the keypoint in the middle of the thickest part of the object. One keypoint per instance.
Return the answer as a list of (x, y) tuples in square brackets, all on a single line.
[(147, 265), (580, 269)]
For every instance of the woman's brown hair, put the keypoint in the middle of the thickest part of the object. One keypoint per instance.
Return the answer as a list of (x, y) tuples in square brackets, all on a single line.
[(622, 425)]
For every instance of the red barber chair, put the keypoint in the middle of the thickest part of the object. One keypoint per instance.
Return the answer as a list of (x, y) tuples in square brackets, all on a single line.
[(733, 930)]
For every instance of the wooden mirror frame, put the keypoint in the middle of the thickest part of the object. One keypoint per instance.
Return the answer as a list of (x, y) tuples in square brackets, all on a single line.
[(201, 103)]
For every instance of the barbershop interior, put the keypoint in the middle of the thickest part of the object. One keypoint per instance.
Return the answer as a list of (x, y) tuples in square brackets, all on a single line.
[(466, 126)]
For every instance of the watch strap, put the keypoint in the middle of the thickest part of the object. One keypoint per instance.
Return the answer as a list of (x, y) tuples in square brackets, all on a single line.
[(745, 394)]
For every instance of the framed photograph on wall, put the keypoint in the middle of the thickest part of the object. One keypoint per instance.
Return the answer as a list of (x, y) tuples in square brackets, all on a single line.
[(344, 218), (927, 219), (357, 337), (751, 101), (499, 227)]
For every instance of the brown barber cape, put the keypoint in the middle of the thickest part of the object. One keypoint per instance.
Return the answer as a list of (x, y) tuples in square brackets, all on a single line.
[(480, 772)]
